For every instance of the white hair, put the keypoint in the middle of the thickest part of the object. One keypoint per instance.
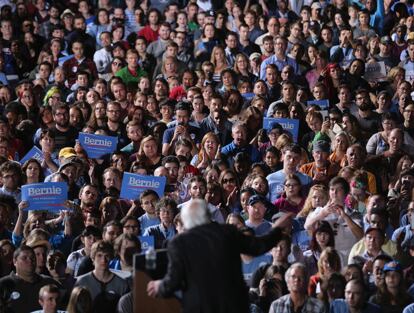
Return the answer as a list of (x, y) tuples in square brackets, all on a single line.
[(195, 213)]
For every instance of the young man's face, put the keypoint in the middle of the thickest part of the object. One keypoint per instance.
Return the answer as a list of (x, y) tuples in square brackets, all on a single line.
[(101, 260), (49, 302), (10, 180), (198, 190), (291, 160), (148, 203), (172, 168)]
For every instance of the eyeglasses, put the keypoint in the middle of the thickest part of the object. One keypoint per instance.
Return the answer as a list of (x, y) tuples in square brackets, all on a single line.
[(117, 63), (228, 180), (114, 111)]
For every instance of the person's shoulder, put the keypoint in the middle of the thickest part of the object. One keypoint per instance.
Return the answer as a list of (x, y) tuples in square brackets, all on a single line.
[(84, 278), (338, 304), (304, 176), (275, 175), (281, 299), (9, 278)]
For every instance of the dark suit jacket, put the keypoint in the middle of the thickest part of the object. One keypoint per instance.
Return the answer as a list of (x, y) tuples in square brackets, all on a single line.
[(204, 263)]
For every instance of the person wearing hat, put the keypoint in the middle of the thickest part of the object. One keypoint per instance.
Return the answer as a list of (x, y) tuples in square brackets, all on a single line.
[(40, 247), (385, 53), (321, 169), (257, 209), (393, 295)]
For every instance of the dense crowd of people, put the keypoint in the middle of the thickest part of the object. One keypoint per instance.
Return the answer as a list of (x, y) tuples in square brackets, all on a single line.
[(264, 109)]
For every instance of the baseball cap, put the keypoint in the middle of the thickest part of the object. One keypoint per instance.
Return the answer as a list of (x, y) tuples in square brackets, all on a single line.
[(256, 198), (386, 40), (34, 243), (370, 229), (316, 5), (67, 12), (321, 146), (67, 152), (254, 55), (392, 266), (210, 13), (65, 164)]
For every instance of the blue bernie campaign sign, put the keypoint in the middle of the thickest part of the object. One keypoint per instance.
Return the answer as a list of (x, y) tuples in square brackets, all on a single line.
[(290, 125), (45, 196), (97, 146), (147, 242), (34, 153), (323, 104), (134, 184)]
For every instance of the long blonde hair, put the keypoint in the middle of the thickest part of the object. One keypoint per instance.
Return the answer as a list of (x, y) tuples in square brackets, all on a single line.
[(307, 207)]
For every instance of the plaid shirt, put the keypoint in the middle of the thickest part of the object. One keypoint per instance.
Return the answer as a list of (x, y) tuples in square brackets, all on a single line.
[(284, 305)]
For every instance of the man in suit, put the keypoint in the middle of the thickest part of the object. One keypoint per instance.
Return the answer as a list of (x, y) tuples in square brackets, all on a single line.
[(204, 262)]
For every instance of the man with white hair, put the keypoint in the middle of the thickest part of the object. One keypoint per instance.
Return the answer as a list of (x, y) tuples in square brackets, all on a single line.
[(297, 299), (204, 262)]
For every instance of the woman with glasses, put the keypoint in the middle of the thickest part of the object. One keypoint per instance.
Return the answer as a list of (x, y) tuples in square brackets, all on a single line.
[(291, 200)]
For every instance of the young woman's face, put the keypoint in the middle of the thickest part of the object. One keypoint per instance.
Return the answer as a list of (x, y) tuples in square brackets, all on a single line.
[(103, 18), (318, 199), (322, 239), (33, 170), (229, 182), (150, 148), (392, 279), (292, 187), (259, 185), (210, 146)]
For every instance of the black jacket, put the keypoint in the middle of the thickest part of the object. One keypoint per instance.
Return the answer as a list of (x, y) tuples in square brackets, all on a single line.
[(204, 263)]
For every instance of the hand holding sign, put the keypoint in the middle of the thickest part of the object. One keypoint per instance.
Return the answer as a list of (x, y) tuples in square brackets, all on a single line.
[(45, 196), (134, 184), (97, 146)]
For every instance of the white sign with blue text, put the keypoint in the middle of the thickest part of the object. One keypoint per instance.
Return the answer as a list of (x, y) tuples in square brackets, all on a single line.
[(134, 184), (288, 124), (97, 146), (45, 196)]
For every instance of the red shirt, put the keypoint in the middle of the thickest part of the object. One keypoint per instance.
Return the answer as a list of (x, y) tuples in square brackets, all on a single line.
[(149, 34)]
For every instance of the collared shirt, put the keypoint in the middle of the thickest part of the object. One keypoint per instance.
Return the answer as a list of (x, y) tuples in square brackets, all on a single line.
[(280, 65), (340, 306), (284, 305)]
